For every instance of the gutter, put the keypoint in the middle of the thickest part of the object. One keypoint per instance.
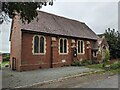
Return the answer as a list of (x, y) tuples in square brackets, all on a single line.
[(52, 34)]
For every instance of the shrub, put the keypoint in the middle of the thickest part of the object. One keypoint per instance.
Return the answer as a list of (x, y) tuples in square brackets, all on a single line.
[(6, 57), (115, 65), (107, 57), (95, 62), (86, 62), (81, 63), (76, 63)]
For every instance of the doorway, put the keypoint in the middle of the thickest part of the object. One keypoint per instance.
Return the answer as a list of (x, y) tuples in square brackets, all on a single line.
[(13, 63)]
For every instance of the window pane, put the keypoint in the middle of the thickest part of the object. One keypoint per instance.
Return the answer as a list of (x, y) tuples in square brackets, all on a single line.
[(81, 46), (36, 44), (65, 46), (61, 45), (78, 46), (42, 45)]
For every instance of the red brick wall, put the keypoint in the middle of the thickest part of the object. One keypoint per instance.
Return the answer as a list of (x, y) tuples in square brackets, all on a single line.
[(16, 42), (30, 61), (21, 49), (57, 58)]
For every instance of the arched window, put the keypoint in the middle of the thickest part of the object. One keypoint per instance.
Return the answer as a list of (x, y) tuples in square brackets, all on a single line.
[(39, 44), (80, 46), (42, 44), (65, 46), (36, 44), (61, 45)]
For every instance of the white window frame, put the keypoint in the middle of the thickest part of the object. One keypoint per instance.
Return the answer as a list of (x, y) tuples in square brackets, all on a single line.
[(39, 45), (80, 47), (63, 46)]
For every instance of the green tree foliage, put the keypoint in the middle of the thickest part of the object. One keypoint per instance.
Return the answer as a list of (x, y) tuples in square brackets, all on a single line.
[(6, 57), (27, 10), (113, 39)]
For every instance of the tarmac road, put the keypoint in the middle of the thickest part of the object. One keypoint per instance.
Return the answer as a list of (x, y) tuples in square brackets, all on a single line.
[(104, 80), (108, 82)]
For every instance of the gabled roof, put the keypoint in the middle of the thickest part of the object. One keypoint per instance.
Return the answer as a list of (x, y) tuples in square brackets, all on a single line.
[(102, 41), (53, 24)]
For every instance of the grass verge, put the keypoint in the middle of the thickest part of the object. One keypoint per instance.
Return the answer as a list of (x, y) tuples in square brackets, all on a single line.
[(109, 69)]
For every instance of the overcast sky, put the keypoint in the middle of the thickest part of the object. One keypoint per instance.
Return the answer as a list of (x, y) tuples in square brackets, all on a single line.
[(97, 15)]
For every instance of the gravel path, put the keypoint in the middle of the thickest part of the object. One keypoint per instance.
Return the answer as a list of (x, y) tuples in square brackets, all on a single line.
[(12, 79)]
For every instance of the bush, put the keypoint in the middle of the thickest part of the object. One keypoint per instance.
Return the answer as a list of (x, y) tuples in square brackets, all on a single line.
[(86, 62), (107, 57), (81, 63), (76, 63), (115, 65), (95, 62), (6, 57)]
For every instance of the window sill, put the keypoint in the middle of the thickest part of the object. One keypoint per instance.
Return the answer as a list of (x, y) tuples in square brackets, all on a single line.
[(63, 53), (38, 53), (80, 53)]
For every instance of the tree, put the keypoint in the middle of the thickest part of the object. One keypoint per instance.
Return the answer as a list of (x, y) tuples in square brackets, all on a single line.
[(26, 10), (113, 39)]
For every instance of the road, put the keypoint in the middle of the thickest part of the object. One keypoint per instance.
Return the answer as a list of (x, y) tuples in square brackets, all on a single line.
[(12, 79), (104, 80), (109, 82)]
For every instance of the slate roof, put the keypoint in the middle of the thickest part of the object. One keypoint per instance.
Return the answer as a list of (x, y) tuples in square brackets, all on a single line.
[(53, 24)]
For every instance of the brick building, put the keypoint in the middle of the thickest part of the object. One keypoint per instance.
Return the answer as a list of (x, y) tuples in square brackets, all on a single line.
[(49, 41), (102, 46)]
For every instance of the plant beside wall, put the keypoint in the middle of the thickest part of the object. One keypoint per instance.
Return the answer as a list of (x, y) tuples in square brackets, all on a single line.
[(95, 61), (106, 58), (81, 63), (115, 65)]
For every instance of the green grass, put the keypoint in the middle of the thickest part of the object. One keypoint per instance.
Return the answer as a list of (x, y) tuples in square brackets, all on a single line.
[(109, 70), (115, 71), (4, 63), (96, 66)]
